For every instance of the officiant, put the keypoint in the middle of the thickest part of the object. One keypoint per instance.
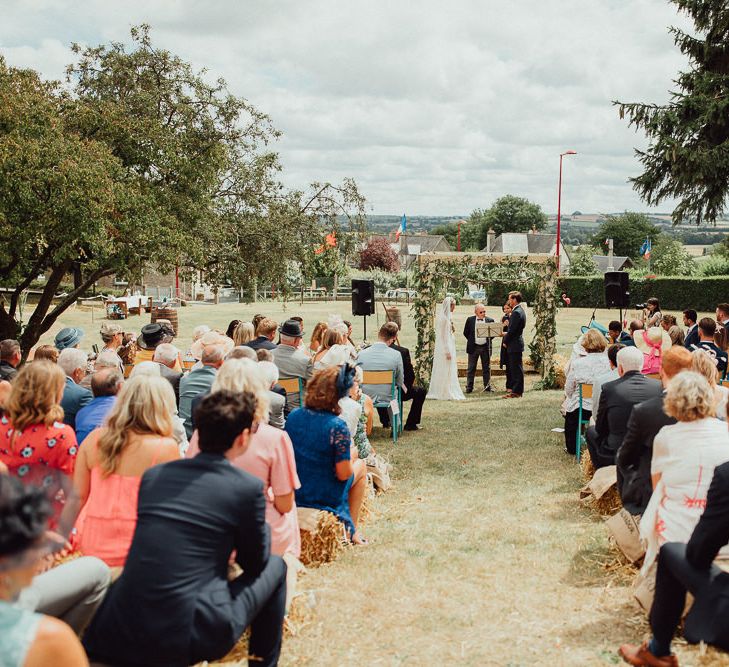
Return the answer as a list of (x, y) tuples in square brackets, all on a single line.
[(478, 347)]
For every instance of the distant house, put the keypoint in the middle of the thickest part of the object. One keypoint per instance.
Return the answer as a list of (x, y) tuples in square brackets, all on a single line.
[(531, 243), (619, 263), (409, 246)]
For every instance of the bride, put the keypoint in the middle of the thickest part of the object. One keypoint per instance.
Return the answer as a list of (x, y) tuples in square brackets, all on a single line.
[(444, 378)]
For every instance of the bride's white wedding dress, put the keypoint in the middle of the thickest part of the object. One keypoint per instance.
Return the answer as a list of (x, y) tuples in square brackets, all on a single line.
[(444, 384)]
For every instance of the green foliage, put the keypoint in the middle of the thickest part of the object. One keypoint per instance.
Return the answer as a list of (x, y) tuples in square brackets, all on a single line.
[(688, 153), (384, 280), (378, 254), (582, 262), (507, 214), (628, 231), (716, 265), (470, 234), (669, 258)]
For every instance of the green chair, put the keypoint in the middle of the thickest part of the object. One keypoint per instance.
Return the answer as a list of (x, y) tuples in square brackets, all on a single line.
[(585, 392), (387, 378)]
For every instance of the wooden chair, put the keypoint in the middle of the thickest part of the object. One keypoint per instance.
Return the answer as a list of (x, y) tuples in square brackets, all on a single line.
[(293, 386), (585, 392), (385, 378), (654, 376)]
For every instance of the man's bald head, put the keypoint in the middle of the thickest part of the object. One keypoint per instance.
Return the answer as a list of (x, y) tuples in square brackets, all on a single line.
[(106, 382), (480, 310)]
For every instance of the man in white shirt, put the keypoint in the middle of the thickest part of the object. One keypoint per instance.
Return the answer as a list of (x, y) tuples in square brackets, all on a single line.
[(477, 348)]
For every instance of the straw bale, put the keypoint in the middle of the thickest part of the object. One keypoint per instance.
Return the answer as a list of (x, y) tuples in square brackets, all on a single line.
[(608, 504), (322, 537), (560, 377), (588, 470)]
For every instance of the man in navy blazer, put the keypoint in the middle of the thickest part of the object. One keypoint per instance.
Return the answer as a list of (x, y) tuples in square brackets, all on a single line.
[(477, 348), (514, 344), (265, 333), (173, 604), (73, 362), (690, 318)]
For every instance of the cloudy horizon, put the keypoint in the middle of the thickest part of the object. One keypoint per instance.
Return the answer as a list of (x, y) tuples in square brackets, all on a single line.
[(433, 110)]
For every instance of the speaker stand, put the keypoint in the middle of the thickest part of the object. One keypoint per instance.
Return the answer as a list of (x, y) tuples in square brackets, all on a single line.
[(365, 327)]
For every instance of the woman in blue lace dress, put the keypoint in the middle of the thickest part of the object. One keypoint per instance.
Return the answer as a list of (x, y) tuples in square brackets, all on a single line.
[(28, 639), (332, 477)]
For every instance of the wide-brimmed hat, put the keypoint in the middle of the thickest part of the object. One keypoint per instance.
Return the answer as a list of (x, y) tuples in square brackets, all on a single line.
[(211, 338), (648, 340), (68, 337), (153, 335), (291, 328), (110, 329)]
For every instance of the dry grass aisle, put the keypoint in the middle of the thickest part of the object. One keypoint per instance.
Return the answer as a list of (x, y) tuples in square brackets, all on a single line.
[(480, 555)]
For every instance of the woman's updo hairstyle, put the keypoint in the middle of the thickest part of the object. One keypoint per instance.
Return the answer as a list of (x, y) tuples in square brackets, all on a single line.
[(24, 513)]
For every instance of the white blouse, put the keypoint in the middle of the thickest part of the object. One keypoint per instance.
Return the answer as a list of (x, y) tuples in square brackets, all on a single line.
[(584, 370)]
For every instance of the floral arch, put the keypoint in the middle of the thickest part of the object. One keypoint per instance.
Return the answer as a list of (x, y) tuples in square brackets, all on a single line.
[(437, 274)]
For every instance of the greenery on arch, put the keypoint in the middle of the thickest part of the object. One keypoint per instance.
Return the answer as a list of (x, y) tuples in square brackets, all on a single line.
[(435, 278)]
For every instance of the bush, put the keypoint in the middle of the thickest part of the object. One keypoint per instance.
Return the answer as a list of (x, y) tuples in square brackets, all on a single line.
[(378, 255), (716, 265)]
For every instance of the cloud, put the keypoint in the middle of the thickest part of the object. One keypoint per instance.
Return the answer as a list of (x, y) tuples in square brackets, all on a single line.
[(433, 108)]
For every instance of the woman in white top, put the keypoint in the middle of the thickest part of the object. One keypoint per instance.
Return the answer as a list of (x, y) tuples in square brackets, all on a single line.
[(704, 364), (333, 351), (583, 370), (684, 457), (444, 385)]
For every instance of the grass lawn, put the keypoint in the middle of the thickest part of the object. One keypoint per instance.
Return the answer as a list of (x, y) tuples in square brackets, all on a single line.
[(481, 554)]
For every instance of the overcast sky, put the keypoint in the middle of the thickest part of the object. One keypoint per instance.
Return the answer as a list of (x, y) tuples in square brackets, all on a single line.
[(434, 108)]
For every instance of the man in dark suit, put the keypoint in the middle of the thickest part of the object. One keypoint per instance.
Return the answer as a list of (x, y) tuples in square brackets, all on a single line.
[(692, 329), (477, 348), (411, 392), (689, 568), (514, 344), (617, 399), (173, 604), (265, 333), (646, 419)]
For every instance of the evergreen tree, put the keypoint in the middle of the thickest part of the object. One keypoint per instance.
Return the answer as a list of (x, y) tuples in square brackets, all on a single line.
[(688, 155)]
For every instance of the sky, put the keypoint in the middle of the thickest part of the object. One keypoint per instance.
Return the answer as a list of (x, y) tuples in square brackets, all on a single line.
[(434, 108)]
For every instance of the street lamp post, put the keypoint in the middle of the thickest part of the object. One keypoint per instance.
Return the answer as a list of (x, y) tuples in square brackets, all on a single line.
[(458, 246), (559, 205)]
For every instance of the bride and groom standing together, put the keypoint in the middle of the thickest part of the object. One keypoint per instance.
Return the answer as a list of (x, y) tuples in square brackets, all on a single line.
[(444, 383)]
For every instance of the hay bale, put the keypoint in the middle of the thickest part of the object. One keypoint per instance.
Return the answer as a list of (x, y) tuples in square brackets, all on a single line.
[(365, 514), (607, 504), (588, 470), (560, 377), (322, 536)]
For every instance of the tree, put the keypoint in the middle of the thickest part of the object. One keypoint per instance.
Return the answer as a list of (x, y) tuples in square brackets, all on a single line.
[(378, 254), (688, 153), (470, 234), (628, 231), (508, 214), (582, 262), (669, 258)]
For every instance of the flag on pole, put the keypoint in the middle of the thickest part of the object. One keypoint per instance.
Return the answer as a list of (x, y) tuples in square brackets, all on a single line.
[(401, 229), (645, 249), (330, 241)]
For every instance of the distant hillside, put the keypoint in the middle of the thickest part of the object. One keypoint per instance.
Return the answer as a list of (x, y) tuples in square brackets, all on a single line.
[(382, 224)]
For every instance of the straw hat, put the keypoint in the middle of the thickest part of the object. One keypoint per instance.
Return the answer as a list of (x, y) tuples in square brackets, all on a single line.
[(208, 339), (655, 336)]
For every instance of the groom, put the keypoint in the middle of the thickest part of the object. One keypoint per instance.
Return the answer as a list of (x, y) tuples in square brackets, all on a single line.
[(477, 348), (514, 344)]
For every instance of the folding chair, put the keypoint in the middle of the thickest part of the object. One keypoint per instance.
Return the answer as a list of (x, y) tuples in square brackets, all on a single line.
[(387, 378), (585, 392), (654, 376), (293, 386)]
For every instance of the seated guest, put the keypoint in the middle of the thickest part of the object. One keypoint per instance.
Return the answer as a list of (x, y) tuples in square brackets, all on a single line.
[(646, 420), (411, 392), (291, 361), (264, 355), (684, 457), (231, 328), (199, 380), (704, 365), (28, 639), (381, 357), (112, 336), (350, 343), (367, 411), (168, 358), (722, 315), (333, 351), (616, 403), (316, 338), (583, 370), (635, 325), (653, 343), (675, 332), (692, 329), (109, 469), (33, 440), (243, 352), (197, 333), (265, 333), (276, 403), (173, 604), (73, 363), (617, 335), (689, 568), (256, 319), (105, 385), (612, 374), (69, 337), (707, 329), (107, 359), (244, 333), (10, 357), (330, 479), (151, 337), (46, 353)]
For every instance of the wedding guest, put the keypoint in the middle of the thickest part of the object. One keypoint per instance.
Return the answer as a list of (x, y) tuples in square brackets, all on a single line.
[(197, 333), (276, 403), (244, 333), (192, 515), (199, 380), (28, 639), (265, 333), (264, 355), (243, 352), (105, 360), (609, 376), (46, 353), (351, 344), (316, 337), (10, 357), (410, 391), (675, 332), (690, 318), (168, 358), (703, 364), (68, 337), (707, 329), (722, 314), (112, 335), (584, 370), (333, 352), (256, 320), (73, 363), (291, 361), (105, 385), (330, 479), (653, 343), (503, 357), (477, 349), (634, 456), (230, 331), (514, 344), (652, 314), (151, 337)]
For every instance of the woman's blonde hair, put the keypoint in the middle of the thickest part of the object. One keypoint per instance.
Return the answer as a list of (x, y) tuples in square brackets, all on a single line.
[(244, 333), (331, 338), (702, 363), (689, 397), (317, 334), (239, 375), (145, 405), (34, 395), (594, 341)]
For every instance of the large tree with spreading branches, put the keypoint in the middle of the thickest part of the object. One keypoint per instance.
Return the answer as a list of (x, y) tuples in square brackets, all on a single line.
[(688, 153)]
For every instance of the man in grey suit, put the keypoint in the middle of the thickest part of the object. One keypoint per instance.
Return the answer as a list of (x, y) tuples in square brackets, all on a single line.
[(291, 361), (276, 402), (198, 382), (381, 357)]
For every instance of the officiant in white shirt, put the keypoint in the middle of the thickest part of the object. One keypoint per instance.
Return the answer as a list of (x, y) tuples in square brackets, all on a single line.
[(478, 346)]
